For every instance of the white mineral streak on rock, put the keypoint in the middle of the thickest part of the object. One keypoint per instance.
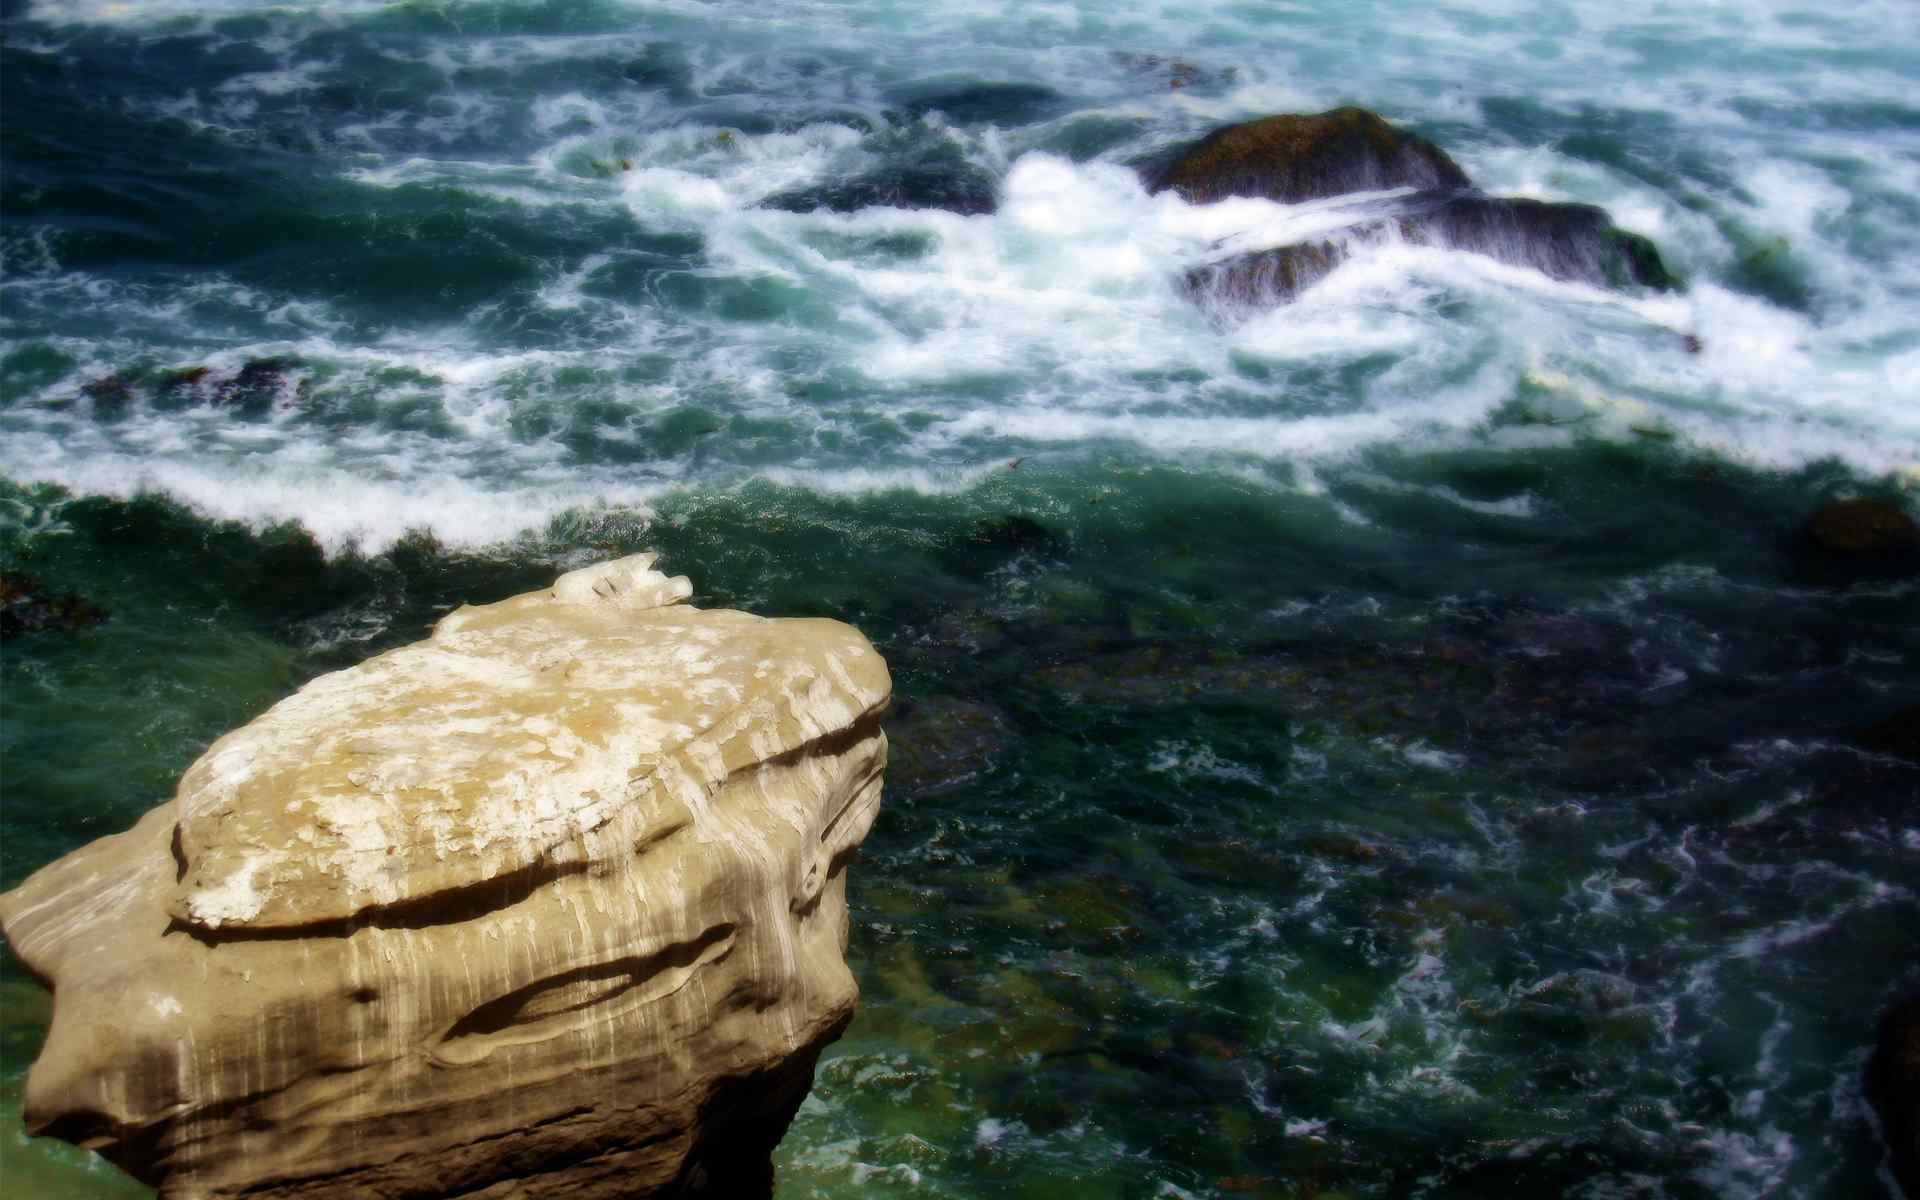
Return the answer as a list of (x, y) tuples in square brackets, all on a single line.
[(560, 890)]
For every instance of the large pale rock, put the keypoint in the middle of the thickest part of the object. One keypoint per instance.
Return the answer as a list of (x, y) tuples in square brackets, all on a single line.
[(550, 904)]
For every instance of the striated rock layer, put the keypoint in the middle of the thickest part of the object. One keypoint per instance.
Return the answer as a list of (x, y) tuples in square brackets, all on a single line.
[(550, 904)]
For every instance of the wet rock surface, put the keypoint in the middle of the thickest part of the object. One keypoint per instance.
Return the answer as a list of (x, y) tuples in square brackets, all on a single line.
[(1893, 1087), (1294, 159), (1574, 243), (939, 743), (952, 187), (1863, 527), (27, 606), (552, 902)]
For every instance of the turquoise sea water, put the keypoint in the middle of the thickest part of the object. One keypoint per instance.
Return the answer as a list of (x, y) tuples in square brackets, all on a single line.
[(1395, 745)]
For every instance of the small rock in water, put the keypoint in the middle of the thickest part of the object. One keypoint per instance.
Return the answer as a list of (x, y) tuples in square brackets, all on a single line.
[(1295, 157), (1893, 1087), (26, 607), (1264, 278), (184, 377), (109, 393), (1898, 734), (255, 387), (938, 743), (1180, 73), (1869, 528), (955, 188), (1858, 539), (1572, 242), (1008, 105), (991, 541)]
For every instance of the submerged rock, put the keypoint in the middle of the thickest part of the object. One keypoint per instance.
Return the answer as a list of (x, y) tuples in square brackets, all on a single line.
[(110, 393), (916, 166), (1847, 541), (951, 187), (1575, 243), (256, 386), (1293, 159), (1267, 277), (1178, 73), (1008, 105), (1296, 157), (27, 607), (552, 902), (1897, 734), (1893, 1087), (938, 743), (1864, 528)]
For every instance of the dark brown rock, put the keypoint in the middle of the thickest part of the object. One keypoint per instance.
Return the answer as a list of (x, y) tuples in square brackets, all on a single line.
[(1893, 1087), (1295, 157), (955, 187), (1863, 528), (1575, 243), (938, 743), (1898, 734), (27, 607), (1266, 278), (255, 387)]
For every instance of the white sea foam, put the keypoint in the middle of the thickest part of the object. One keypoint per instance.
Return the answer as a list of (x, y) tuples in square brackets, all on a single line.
[(1056, 321)]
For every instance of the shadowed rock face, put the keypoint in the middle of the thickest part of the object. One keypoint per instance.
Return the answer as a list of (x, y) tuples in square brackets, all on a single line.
[(1863, 527), (1576, 243), (553, 900), (1893, 1087), (1294, 159), (952, 187)]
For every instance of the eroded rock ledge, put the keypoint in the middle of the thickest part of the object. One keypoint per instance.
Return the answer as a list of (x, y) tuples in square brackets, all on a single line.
[(550, 904)]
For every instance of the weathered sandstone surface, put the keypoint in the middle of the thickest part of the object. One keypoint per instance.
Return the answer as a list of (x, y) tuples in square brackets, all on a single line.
[(550, 904)]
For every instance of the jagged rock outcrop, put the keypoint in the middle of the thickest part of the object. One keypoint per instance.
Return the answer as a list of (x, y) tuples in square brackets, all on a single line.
[(550, 904), (1297, 158)]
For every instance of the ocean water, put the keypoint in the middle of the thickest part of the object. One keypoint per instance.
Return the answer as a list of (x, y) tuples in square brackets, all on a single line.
[(1393, 745)]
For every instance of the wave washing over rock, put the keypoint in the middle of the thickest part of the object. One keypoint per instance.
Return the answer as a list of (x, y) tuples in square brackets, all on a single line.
[(551, 903), (1296, 159)]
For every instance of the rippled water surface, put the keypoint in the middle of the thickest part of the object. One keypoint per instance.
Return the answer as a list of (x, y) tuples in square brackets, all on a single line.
[(1397, 744)]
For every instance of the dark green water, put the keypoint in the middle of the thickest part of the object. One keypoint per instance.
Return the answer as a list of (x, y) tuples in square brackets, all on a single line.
[(1402, 745)]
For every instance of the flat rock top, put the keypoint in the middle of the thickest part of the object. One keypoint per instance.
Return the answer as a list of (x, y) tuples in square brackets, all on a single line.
[(1294, 157), (504, 742)]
